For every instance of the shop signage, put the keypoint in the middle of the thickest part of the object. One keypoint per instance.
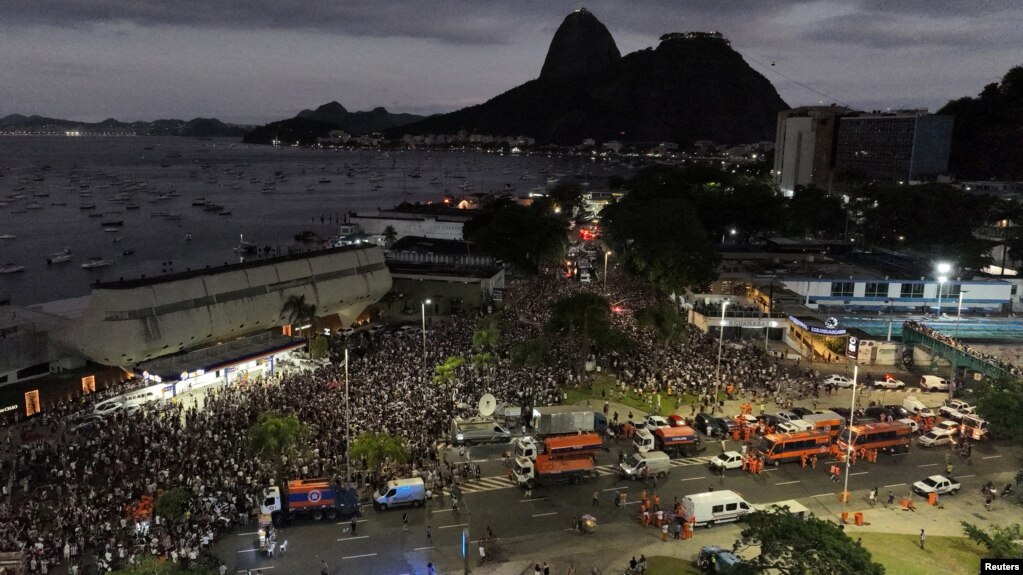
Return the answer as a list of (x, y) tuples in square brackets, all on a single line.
[(852, 350), (815, 329)]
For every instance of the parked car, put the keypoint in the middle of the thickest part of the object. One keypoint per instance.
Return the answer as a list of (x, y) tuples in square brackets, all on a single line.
[(838, 380), (933, 383), (936, 484), (898, 412), (655, 421), (712, 426), (801, 411), (932, 439), (948, 426), (726, 460), (956, 409), (889, 383), (787, 415), (346, 332)]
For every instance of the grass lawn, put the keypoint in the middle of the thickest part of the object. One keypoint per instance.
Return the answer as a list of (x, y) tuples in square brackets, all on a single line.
[(660, 565), (605, 382), (901, 554)]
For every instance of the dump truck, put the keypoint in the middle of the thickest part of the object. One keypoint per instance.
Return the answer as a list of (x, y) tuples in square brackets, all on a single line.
[(559, 446), (681, 441), (308, 498), (545, 470), (564, 419)]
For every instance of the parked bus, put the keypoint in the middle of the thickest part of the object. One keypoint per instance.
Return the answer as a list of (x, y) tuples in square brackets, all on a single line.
[(780, 447), (890, 436)]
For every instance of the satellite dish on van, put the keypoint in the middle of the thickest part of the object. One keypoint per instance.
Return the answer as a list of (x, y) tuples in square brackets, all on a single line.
[(487, 405)]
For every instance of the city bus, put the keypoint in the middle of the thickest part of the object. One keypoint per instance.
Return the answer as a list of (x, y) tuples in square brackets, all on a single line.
[(777, 448), (890, 436)]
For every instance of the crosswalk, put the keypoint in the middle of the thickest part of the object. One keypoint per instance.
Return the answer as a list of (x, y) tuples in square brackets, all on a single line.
[(504, 482)]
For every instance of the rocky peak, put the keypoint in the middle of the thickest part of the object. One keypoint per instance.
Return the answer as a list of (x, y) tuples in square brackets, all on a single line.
[(581, 47)]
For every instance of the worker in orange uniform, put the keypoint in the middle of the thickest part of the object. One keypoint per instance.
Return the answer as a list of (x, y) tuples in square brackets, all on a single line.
[(657, 501), (802, 461)]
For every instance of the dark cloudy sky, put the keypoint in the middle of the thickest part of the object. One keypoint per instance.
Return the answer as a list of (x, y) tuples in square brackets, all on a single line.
[(253, 61)]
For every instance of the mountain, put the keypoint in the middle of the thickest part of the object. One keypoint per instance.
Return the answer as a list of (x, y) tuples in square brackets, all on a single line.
[(309, 125), (987, 137), (199, 127), (692, 86)]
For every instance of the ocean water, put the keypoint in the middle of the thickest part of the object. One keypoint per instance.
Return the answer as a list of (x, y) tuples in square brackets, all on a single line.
[(272, 194)]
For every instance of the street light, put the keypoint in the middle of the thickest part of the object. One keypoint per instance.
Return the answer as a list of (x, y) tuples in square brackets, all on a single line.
[(849, 445), (721, 341), (955, 340), (348, 428), (943, 270), (423, 307), (606, 254), (767, 331)]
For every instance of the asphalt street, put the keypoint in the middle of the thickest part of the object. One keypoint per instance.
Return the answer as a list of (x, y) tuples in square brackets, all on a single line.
[(541, 526)]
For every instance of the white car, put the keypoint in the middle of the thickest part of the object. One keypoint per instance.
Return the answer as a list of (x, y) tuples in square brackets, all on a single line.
[(889, 383), (656, 421), (956, 409), (786, 415), (932, 439), (795, 425), (937, 484), (838, 381), (346, 332), (727, 460), (947, 427)]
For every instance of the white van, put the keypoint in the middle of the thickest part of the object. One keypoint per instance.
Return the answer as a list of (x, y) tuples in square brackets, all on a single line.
[(795, 425), (916, 407), (649, 464), (399, 492), (714, 507), (933, 383), (584, 276)]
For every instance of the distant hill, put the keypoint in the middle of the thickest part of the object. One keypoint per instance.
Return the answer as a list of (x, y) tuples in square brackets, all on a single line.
[(691, 87), (309, 125), (987, 137), (199, 127)]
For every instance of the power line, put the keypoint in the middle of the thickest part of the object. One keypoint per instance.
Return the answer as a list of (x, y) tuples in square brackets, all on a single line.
[(773, 69)]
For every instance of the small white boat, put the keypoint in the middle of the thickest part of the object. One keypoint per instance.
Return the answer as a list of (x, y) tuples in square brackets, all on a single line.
[(11, 269), (95, 263), (59, 257), (8, 237)]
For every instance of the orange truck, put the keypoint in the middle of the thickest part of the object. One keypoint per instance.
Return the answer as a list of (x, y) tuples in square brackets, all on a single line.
[(778, 448), (892, 436), (313, 498), (545, 470), (560, 446), (681, 441)]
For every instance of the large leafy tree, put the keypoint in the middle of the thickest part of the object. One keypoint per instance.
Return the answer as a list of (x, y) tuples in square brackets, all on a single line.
[(668, 326), (152, 566), (1000, 402), (171, 504), (533, 352), (586, 317), (790, 545), (375, 449), (813, 213), (273, 435), (528, 237), (1001, 542)]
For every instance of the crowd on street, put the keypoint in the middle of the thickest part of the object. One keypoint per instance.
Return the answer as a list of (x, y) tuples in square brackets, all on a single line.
[(75, 494)]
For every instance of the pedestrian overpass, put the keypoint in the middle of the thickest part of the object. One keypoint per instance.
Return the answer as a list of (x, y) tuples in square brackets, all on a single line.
[(912, 335)]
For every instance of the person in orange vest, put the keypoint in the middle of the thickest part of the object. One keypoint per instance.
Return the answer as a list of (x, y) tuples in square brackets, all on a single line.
[(852, 460), (802, 461), (687, 530), (735, 434), (657, 501)]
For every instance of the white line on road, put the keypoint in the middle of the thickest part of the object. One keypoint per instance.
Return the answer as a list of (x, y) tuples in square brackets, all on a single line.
[(616, 488), (248, 550), (248, 533), (928, 465), (859, 473), (532, 499), (349, 522), (545, 514), (450, 526), (358, 556), (895, 485), (353, 538), (261, 568), (772, 469), (441, 510), (964, 476), (423, 548), (693, 478), (823, 494), (991, 457), (633, 502), (568, 529), (786, 483)]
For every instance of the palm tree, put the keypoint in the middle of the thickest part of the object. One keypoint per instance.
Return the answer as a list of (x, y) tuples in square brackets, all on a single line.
[(390, 236), (299, 312)]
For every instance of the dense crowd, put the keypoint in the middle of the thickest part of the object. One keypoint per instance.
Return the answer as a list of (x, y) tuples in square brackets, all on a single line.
[(74, 495), (965, 348)]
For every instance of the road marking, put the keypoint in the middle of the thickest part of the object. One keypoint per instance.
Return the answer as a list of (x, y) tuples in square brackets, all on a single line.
[(545, 514), (261, 568), (353, 538), (823, 494), (991, 457), (441, 510), (928, 465), (568, 529), (616, 488), (772, 469), (786, 483), (247, 533), (693, 478), (632, 502), (894, 485), (358, 556), (349, 522), (450, 526), (423, 548), (964, 476), (533, 499), (248, 550), (859, 473)]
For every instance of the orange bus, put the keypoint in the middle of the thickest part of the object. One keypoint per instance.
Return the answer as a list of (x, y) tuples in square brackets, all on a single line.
[(892, 436), (780, 447)]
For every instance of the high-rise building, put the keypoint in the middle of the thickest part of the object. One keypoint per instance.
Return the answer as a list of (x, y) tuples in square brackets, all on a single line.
[(830, 146)]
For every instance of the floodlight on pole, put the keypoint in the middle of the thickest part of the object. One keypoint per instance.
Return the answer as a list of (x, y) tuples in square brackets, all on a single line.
[(721, 341), (423, 308)]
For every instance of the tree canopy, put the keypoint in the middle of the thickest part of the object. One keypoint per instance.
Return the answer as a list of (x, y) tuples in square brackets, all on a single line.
[(171, 504), (273, 436), (792, 546), (527, 237), (152, 566), (668, 326), (1001, 542), (1000, 402), (377, 448)]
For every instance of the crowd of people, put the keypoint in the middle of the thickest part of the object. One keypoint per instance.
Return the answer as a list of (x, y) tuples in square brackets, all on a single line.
[(74, 493), (964, 348)]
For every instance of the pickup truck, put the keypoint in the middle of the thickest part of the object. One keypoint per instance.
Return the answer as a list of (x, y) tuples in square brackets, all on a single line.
[(956, 409), (937, 484), (889, 383)]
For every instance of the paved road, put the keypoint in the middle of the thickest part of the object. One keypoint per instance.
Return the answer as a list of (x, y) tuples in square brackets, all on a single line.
[(539, 527)]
